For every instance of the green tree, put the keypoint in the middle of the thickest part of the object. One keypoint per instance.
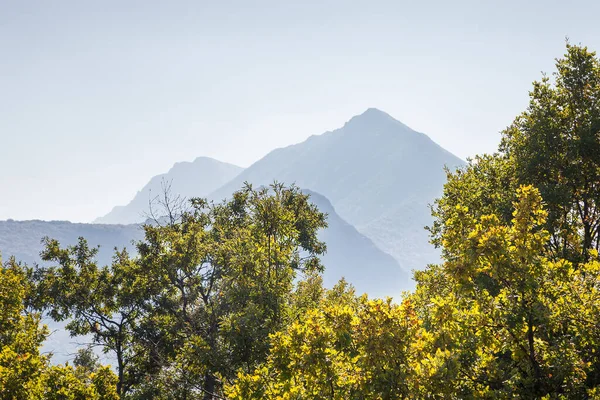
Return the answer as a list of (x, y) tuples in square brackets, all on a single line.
[(220, 275), (555, 146), (496, 310), (21, 335), (86, 359), (198, 303), (487, 185), (101, 301), (468, 302)]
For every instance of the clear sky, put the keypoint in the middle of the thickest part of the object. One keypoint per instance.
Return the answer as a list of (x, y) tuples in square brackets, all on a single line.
[(96, 97)]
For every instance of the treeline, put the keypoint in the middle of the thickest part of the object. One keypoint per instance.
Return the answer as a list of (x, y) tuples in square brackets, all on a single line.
[(225, 301)]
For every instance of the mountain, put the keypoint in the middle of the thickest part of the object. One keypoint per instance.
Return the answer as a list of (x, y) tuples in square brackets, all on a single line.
[(379, 174), (187, 179), (355, 257)]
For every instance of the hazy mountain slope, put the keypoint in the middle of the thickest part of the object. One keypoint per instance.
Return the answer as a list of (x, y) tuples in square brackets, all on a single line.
[(23, 239), (378, 173), (355, 257), (188, 179)]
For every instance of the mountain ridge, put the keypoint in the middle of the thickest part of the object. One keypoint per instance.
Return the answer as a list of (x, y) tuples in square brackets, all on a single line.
[(370, 270)]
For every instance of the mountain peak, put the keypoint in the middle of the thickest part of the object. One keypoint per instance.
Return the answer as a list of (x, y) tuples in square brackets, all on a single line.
[(374, 118), (206, 159), (188, 179), (375, 112)]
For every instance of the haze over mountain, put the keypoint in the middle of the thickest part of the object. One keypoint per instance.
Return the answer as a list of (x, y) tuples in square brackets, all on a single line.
[(379, 174), (188, 179), (23, 239), (355, 257)]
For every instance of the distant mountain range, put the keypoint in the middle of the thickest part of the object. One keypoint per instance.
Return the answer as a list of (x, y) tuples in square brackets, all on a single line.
[(198, 178), (23, 239), (374, 177)]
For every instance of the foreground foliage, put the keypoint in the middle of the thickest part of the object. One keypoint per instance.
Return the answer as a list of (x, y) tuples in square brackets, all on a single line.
[(504, 319), (347, 347), (498, 319), (24, 372)]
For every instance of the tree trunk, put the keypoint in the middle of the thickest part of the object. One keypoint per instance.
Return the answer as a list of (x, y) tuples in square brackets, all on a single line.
[(120, 371), (532, 357), (210, 385)]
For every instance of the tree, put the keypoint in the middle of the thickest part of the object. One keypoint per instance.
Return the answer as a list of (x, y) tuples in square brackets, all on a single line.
[(554, 146), (24, 372), (487, 185), (21, 335), (209, 284), (101, 301), (495, 310), (218, 279), (86, 359), (344, 348)]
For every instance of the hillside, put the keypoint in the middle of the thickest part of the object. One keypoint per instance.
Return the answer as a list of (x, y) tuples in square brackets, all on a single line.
[(187, 179), (379, 174), (355, 257), (23, 239)]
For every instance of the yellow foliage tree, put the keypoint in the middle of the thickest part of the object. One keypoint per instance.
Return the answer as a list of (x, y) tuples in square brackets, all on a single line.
[(357, 349), (24, 372)]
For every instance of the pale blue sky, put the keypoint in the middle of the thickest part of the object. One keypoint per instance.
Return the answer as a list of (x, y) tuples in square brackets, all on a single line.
[(96, 97)]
